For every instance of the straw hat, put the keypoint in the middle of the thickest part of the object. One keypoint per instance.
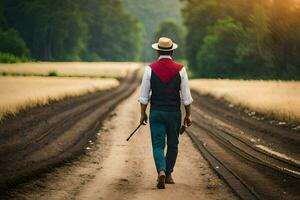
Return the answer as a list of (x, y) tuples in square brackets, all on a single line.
[(164, 44)]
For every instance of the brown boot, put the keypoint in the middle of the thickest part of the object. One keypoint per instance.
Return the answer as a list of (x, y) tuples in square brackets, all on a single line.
[(169, 179), (161, 181)]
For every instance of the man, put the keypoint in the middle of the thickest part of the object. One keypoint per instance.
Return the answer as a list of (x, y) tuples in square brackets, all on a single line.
[(165, 79)]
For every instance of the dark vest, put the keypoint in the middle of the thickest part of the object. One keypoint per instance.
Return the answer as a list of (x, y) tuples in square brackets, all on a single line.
[(165, 96)]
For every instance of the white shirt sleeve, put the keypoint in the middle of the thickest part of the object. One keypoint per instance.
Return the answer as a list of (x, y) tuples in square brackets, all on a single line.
[(145, 87), (186, 96)]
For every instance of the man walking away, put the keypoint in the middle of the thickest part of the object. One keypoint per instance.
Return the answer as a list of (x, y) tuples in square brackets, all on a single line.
[(168, 83)]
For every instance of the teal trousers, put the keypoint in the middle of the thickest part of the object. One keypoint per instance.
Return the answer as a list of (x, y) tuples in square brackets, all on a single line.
[(164, 127)]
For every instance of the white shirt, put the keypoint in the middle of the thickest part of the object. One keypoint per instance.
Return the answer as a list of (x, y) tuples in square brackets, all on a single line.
[(186, 97)]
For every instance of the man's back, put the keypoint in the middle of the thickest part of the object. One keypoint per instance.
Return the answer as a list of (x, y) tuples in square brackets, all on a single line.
[(165, 80)]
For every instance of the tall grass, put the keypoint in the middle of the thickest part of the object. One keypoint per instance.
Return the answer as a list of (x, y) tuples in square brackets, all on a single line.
[(80, 69), (21, 93), (277, 99)]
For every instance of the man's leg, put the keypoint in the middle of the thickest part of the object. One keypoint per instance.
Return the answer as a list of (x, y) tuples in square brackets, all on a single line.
[(172, 140), (158, 133)]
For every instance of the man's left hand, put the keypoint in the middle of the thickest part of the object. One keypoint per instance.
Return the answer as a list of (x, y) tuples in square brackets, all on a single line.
[(144, 119), (188, 121)]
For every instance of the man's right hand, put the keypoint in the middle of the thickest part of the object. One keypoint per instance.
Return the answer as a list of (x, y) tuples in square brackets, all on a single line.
[(144, 119), (188, 121)]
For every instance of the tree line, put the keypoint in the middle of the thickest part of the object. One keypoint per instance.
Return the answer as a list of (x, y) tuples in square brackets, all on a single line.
[(243, 38), (69, 30), (153, 15)]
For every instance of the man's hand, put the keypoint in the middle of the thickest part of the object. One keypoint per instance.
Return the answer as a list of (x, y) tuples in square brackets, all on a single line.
[(188, 121), (144, 119), (188, 118)]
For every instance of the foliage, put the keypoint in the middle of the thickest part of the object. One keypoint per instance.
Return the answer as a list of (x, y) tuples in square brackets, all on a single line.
[(151, 14), (11, 42), (215, 60), (8, 58), (254, 51), (53, 30), (73, 29), (267, 47), (197, 23), (52, 73), (114, 34), (2, 18), (172, 30)]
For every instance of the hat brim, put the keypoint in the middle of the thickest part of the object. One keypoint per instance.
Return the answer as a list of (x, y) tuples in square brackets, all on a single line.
[(156, 47)]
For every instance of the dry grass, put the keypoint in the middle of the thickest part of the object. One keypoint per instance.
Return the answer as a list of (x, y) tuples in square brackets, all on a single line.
[(88, 69), (19, 93), (279, 99)]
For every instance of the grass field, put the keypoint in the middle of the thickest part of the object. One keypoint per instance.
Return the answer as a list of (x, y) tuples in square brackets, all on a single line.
[(18, 93), (279, 99), (81, 69)]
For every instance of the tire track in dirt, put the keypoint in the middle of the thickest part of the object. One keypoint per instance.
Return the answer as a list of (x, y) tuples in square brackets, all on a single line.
[(283, 139), (116, 169), (38, 139), (233, 137)]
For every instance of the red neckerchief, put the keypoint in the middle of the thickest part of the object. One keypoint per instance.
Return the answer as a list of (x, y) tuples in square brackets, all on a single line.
[(165, 69)]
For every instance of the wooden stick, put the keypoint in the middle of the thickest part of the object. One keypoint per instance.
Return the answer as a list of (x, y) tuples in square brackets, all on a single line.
[(133, 132)]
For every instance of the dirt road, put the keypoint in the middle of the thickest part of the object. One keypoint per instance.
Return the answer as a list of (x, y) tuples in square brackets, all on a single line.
[(260, 151), (40, 138), (112, 168)]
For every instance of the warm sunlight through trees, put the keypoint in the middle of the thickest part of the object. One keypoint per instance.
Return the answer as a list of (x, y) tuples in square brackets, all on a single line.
[(243, 39)]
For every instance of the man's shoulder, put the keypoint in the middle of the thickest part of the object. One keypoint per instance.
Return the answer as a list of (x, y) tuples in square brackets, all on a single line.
[(182, 72), (169, 61), (147, 67), (147, 71)]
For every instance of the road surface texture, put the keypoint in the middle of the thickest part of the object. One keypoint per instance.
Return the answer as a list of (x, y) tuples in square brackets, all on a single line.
[(42, 137), (112, 168), (261, 153)]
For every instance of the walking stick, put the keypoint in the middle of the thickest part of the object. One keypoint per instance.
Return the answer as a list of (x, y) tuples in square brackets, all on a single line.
[(134, 132)]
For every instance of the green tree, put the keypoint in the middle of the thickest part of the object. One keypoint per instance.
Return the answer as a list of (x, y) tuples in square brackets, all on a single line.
[(216, 56), (172, 30), (73, 29), (254, 52), (114, 34), (284, 25), (268, 46), (12, 43), (3, 23), (197, 23), (12, 46), (53, 30), (151, 14)]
